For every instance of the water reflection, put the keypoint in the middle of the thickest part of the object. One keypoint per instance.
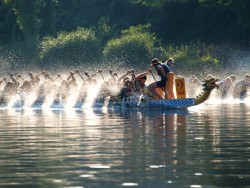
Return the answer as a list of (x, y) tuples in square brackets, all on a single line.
[(206, 147), (161, 136)]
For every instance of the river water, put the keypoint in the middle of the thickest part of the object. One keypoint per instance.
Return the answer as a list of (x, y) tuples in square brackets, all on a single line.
[(203, 146)]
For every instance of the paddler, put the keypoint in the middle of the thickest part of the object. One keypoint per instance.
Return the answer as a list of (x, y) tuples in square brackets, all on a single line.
[(162, 70), (241, 87)]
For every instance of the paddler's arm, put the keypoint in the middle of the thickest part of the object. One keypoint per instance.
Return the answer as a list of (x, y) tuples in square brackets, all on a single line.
[(133, 75), (51, 78), (94, 74), (31, 75), (73, 78), (38, 75), (111, 73), (70, 75), (161, 71), (15, 82), (123, 76), (141, 75)]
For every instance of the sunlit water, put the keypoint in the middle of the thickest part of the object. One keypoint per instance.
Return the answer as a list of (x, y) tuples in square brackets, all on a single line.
[(203, 146)]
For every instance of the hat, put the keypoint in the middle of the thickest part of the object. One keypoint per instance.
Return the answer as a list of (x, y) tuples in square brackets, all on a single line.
[(154, 61), (125, 79)]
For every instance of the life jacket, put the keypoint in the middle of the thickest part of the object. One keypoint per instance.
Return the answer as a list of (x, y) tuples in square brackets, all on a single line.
[(165, 68)]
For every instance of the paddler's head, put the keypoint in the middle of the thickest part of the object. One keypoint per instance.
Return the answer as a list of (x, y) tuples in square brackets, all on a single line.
[(154, 62), (247, 77), (143, 79), (126, 80), (170, 62)]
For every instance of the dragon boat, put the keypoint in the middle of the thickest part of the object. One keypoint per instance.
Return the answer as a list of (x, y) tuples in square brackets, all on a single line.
[(137, 100), (182, 102)]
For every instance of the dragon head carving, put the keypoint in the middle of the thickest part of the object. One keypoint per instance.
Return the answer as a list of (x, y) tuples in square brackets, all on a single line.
[(210, 84)]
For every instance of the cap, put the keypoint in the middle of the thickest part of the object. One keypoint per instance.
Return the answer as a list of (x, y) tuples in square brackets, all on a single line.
[(125, 79), (154, 61)]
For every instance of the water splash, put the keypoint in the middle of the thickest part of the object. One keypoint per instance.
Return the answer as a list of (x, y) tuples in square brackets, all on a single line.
[(74, 99), (71, 100), (92, 93)]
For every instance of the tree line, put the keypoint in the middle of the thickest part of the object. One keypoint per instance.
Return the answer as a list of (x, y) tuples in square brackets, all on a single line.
[(38, 23), (172, 20)]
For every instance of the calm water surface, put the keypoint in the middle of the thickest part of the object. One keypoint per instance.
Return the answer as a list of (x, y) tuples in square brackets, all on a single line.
[(205, 146)]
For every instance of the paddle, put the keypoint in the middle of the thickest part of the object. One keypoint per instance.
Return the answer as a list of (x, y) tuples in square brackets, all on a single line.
[(152, 74), (19, 76), (77, 71), (111, 73), (100, 71), (59, 76), (5, 79)]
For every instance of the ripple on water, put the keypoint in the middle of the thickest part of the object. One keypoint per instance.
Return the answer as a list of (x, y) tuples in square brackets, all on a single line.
[(92, 148)]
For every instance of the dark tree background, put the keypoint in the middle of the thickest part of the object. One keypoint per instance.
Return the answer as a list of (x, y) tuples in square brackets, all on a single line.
[(216, 21), (195, 32)]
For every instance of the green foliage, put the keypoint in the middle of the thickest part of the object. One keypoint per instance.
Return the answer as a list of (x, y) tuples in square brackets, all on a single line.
[(194, 58), (104, 32), (174, 21), (48, 17), (7, 22), (211, 21), (150, 3), (135, 46), (80, 13), (79, 47), (6, 1), (27, 18)]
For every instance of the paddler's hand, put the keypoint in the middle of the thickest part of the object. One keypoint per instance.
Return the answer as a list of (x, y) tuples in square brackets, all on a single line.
[(128, 72), (110, 72), (99, 71), (87, 74)]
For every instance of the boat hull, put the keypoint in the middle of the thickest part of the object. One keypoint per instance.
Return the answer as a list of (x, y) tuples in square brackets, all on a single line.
[(171, 103)]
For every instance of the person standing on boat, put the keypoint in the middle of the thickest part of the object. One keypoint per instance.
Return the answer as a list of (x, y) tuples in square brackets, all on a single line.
[(162, 70)]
